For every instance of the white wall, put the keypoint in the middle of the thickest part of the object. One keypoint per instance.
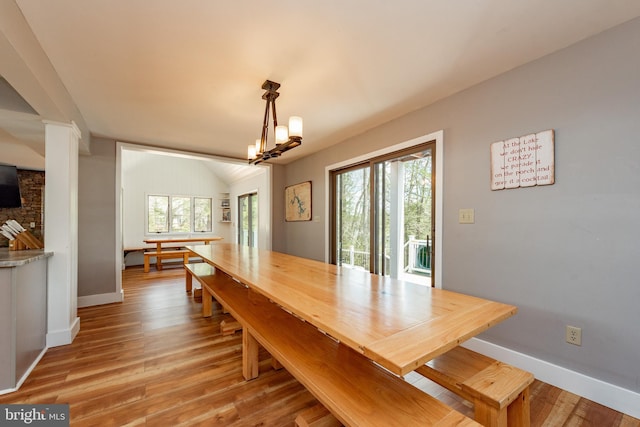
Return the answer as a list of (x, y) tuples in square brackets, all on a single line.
[(565, 254), (146, 173)]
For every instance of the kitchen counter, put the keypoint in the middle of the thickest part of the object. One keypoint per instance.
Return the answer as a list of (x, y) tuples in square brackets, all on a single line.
[(23, 314), (16, 258)]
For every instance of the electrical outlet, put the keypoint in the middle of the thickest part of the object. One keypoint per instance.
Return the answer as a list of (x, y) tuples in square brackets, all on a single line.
[(574, 335)]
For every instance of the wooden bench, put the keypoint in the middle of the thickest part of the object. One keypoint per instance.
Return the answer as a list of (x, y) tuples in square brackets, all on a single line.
[(356, 390), (200, 271), (499, 392), (171, 254)]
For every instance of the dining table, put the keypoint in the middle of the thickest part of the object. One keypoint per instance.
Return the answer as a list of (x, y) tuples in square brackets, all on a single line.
[(397, 324), (171, 240)]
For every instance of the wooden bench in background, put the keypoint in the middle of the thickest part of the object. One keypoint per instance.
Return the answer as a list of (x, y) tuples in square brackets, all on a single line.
[(356, 390), (170, 254), (499, 392)]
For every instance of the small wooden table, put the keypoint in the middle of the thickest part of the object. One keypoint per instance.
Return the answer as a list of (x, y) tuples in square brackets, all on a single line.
[(397, 324), (160, 242)]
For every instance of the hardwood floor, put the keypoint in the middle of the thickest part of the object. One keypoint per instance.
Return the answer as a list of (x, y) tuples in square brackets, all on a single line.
[(153, 360)]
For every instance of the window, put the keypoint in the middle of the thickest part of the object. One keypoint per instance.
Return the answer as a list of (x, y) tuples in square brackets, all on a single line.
[(201, 214), (181, 214), (178, 214), (158, 217)]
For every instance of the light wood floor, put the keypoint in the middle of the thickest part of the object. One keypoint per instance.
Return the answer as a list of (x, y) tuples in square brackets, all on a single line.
[(153, 360)]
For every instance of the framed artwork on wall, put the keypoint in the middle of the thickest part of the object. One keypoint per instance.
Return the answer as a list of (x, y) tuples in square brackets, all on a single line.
[(298, 202)]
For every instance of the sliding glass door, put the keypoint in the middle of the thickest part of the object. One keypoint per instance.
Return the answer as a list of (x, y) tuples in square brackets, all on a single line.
[(383, 215), (248, 220)]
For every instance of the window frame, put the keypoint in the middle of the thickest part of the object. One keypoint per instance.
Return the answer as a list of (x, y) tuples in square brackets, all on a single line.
[(192, 214)]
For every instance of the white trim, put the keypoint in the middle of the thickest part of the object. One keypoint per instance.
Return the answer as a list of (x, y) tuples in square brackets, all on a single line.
[(610, 395), (26, 373), (63, 336), (438, 137), (100, 299)]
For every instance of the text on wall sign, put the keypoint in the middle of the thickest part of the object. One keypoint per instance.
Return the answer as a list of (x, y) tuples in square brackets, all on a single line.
[(524, 161)]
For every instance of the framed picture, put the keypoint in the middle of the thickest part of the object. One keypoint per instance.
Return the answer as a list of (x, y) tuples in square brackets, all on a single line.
[(298, 202)]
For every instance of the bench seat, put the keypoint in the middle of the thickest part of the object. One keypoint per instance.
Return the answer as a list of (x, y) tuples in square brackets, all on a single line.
[(499, 392), (198, 270), (170, 254), (357, 391)]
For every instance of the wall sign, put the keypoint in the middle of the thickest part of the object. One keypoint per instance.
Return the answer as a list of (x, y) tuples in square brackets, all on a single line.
[(524, 161)]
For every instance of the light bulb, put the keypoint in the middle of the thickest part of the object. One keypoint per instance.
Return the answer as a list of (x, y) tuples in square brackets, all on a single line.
[(295, 126), (251, 152), (282, 134)]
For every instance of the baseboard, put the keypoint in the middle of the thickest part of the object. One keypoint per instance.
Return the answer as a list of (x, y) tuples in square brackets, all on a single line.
[(65, 336), (100, 299), (26, 374), (610, 395)]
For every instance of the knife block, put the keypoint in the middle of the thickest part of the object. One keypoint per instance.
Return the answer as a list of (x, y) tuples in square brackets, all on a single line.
[(25, 240)]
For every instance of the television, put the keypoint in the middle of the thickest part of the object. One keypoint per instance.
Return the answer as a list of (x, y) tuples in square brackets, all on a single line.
[(9, 187)]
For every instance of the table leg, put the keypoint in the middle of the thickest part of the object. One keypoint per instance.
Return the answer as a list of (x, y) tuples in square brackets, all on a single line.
[(158, 259)]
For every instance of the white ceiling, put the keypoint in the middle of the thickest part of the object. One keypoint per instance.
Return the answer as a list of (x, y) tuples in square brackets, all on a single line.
[(187, 74)]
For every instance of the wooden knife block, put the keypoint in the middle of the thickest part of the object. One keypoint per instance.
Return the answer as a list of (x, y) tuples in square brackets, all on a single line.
[(25, 240)]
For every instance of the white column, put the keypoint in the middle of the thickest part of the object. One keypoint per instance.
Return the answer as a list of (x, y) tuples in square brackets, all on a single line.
[(61, 231)]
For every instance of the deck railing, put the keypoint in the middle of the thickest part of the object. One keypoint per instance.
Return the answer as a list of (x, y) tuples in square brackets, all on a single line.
[(417, 256)]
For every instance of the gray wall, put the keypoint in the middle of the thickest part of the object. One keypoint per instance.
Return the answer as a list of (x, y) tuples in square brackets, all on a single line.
[(564, 254), (96, 219)]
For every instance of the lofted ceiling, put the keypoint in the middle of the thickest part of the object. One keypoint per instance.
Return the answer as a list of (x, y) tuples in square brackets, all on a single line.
[(187, 74)]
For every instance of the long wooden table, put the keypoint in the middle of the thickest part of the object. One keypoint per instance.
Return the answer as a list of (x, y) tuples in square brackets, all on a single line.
[(160, 242), (397, 324), (159, 254)]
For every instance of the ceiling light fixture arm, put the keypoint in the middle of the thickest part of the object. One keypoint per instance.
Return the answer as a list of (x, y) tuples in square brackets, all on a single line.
[(261, 153)]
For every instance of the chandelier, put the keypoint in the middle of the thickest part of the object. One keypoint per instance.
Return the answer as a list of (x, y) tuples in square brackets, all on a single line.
[(285, 138)]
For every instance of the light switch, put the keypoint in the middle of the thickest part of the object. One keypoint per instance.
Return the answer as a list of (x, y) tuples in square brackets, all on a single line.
[(466, 216)]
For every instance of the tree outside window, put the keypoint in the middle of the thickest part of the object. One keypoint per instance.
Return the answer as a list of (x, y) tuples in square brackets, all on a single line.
[(181, 214), (201, 214), (158, 214)]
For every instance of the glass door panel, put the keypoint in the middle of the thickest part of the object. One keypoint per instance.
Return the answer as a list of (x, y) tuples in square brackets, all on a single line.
[(248, 220), (352, 223)]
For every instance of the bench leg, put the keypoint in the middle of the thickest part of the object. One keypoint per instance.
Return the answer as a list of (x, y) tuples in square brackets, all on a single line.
[(158, 263), (188, 281), (146, 264), (206, 302), (275, 364), (519, 411), (489, 416), (186, 258), (317, 416), (250, 349)]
